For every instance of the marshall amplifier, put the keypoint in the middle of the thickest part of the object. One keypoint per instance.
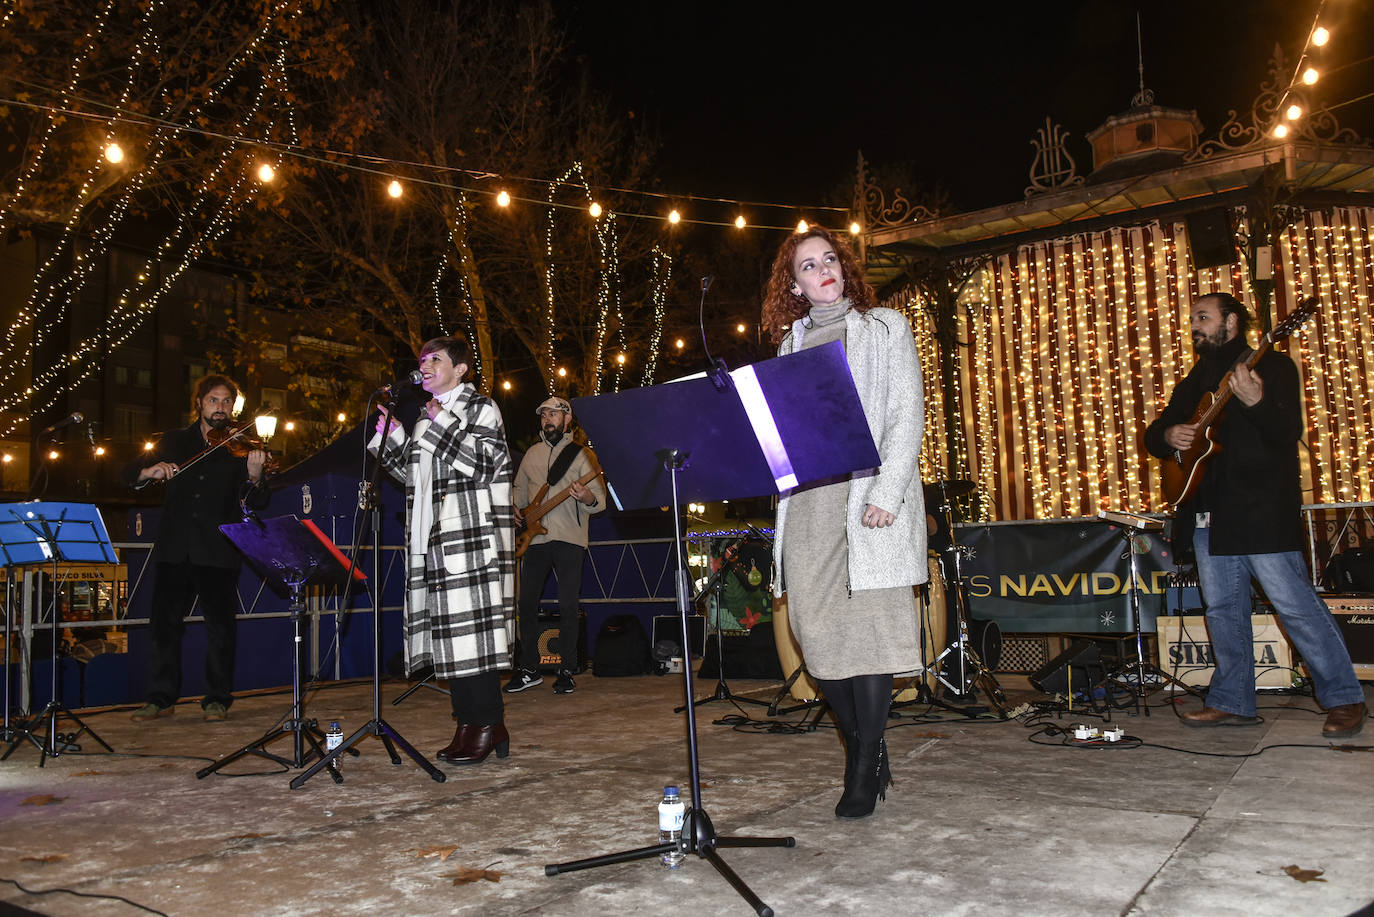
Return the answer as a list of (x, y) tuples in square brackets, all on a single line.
[(1355, 618)]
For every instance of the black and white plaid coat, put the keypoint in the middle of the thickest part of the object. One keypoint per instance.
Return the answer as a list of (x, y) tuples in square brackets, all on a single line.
[(460, 592)]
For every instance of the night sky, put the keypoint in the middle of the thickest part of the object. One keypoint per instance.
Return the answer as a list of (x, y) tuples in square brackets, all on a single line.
[(770, 101)]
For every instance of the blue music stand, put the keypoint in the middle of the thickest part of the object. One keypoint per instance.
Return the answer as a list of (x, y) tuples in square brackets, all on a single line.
[(37, 533)]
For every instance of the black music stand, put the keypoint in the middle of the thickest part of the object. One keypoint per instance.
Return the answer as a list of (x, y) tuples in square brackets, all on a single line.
[(289, 554), (763, 429), (40, 533)]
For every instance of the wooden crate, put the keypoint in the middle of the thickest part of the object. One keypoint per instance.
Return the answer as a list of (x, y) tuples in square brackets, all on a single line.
[(1185, 651)]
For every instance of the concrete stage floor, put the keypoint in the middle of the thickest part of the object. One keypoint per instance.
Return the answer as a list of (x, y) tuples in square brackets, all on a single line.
[(982, 818)]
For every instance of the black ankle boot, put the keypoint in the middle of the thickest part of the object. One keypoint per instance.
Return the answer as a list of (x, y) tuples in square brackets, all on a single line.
[(867, 783)]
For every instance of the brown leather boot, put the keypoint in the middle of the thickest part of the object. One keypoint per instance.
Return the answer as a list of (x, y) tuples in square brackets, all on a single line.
[(1344, 721), (456, 746), (479, 742)]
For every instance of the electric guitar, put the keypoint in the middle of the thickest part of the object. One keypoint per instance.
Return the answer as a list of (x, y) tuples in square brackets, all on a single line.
[(539, 508), (1183, 469)]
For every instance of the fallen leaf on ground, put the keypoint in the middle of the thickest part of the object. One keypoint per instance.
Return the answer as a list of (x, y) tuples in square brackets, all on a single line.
[(86, 774), (45, 858), (46, 799), (467, 874), (1305, 875), (442, 851)]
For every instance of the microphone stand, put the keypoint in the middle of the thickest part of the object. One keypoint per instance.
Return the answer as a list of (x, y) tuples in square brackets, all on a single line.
[(376, 726)]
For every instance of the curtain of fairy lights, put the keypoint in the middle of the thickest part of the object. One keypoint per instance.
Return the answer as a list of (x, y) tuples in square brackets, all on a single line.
[(1076, 343)]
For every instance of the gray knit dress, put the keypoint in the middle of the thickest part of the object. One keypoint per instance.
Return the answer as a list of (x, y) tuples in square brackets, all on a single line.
[(872, 631)]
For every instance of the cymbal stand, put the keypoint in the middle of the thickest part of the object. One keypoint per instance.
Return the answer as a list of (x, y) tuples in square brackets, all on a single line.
[(972, 671), (925, 695)]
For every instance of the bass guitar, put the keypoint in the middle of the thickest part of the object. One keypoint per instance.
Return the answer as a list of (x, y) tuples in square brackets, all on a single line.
[(539, 508), (1183, 468)]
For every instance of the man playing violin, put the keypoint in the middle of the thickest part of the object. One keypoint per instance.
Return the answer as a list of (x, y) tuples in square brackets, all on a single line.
[(191, 557)]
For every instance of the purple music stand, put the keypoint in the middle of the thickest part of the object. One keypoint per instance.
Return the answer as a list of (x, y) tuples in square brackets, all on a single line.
[(289, 554), (774, 426)]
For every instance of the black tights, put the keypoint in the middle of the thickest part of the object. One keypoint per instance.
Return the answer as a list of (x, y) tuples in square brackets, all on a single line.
[(860, 703)]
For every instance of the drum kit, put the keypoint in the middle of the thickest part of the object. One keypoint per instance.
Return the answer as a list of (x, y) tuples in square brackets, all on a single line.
[(959, 666)]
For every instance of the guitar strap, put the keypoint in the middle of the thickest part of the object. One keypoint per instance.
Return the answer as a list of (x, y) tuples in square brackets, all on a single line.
[(564, 461)]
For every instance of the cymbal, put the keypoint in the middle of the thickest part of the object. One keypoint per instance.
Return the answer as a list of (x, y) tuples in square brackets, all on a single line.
[(954, 488)]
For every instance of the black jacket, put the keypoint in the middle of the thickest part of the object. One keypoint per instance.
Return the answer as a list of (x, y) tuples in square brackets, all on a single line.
[(1251, 486), (198, 500)]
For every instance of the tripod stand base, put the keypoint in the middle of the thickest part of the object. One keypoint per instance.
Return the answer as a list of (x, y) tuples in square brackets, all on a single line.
[(699, 837), (390, 740), (303, 732), (48, 746)]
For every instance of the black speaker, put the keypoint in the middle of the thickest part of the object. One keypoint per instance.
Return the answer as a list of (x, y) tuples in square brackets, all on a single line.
[(550, 653), (1352, 570), (1211, 241), (1080, 664)]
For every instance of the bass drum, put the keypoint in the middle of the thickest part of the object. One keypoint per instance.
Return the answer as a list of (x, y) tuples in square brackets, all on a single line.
[(790, 654), (933, 612)]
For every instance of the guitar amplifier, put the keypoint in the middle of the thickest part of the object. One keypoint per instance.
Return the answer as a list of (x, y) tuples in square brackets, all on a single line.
[(1355, 618)]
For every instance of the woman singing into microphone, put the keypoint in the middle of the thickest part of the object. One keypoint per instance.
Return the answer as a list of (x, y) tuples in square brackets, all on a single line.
[(849, 550)]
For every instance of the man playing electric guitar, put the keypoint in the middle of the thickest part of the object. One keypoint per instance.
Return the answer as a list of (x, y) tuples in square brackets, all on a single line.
[(555, 463), (1244, 515)]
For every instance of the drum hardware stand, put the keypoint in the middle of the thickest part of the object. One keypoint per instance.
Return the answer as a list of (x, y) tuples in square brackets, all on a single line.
[(973, 673), (376, 726), (717, 582), (1131, 523), (925, 695), (40, 526), (819, 704)]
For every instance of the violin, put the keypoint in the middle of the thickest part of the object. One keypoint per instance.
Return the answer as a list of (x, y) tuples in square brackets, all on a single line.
[(237, 442)]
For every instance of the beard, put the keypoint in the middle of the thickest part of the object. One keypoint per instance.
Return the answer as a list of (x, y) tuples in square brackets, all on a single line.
[(552, 435), (217, 421), (1204, 343)]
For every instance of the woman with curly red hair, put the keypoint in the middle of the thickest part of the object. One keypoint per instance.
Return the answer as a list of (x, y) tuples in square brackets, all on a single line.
[(849, 550)]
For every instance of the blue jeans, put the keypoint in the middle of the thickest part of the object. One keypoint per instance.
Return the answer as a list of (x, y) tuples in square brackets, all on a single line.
[(1225, 582)]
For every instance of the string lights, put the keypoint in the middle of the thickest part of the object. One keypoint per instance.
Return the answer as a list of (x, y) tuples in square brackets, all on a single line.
[(209, 213), (1077, 343)]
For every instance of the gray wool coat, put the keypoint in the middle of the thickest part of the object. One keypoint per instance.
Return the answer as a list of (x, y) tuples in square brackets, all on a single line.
[(460, 594), (887, 373)]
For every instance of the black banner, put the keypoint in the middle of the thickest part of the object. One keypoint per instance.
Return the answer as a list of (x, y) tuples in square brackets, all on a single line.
[(1047, 577)]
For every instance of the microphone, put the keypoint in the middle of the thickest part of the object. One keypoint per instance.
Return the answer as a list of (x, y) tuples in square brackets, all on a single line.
[(73, 417), (706, 282), (415, 377)]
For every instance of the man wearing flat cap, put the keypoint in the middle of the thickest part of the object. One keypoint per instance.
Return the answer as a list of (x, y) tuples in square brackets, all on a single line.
[(555, 460)]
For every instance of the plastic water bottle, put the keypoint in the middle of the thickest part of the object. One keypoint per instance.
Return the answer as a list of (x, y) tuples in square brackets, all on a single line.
[(670, 815), (333, 738)]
